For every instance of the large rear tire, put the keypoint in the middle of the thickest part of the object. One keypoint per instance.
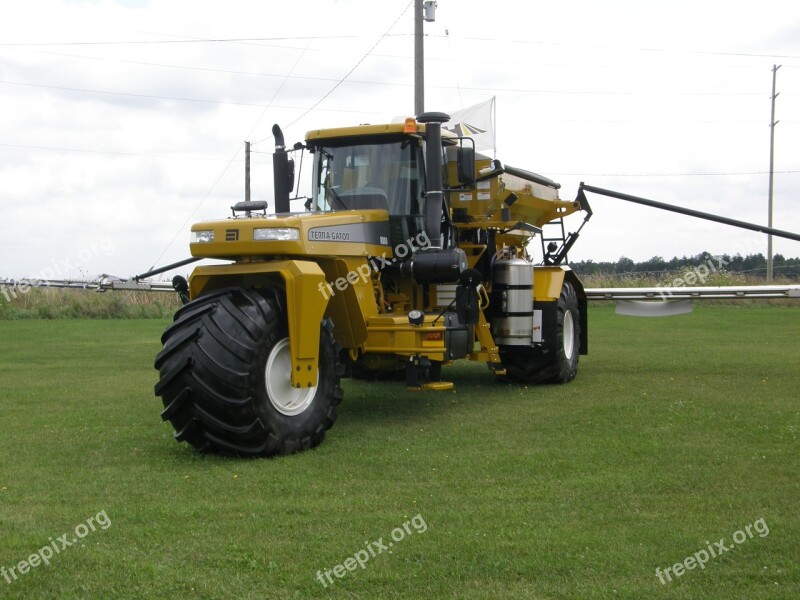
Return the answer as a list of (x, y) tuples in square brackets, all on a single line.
[(225, 378), (557, 362)]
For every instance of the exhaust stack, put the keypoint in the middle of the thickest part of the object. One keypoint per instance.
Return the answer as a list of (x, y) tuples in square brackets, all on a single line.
[(280, 172), (434, 198)]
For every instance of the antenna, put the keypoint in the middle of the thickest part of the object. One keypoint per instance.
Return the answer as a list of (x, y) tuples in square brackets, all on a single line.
[(247, 171)]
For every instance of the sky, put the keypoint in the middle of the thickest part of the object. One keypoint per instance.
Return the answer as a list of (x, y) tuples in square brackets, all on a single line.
[(123, 122)]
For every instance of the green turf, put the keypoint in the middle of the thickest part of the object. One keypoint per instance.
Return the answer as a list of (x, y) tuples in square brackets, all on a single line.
[(676, 433)]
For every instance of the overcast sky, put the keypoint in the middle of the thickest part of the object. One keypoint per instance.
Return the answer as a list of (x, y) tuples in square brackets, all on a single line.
[(123, 122)]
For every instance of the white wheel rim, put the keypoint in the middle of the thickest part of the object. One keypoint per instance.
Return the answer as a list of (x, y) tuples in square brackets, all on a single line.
[(286, 399), (568, 334)]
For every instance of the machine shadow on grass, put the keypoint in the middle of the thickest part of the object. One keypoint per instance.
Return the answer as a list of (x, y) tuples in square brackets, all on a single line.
[(377, 401), (379, 404)]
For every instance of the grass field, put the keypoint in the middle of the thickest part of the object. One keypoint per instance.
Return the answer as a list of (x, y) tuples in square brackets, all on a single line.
[(677, 433)]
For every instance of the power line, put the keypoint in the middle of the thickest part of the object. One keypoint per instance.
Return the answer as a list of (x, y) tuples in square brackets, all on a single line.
[(662, 122), (116, 153), (183, 67), (202, 69), (202, 201), (373, 82), (344, 37), (637, 49), (174, 98), (190, 41), (608, 92), (233, 158), (342, 110), (338, 83), (84, 151), (327, 51), (268, 163), (669, 174), (314, 106), (390, 83)]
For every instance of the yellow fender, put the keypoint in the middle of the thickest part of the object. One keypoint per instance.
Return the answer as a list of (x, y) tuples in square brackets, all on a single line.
[(305, 306), (547, 283)]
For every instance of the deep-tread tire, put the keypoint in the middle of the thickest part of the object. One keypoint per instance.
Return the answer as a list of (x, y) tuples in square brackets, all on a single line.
[(551, 364), (212, 377)]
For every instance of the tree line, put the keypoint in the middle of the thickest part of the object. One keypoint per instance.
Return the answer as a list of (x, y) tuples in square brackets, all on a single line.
[(752, 264)]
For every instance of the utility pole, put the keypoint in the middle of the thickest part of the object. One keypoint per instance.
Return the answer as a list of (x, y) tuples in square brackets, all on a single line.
[(419, 60), (423, 11), (247, 171), (772, 124)]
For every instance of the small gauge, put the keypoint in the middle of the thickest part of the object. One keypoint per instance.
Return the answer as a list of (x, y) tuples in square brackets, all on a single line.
[(416, 317)]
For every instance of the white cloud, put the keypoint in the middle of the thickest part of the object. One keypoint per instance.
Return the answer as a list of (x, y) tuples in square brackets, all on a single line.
[(586, 91)]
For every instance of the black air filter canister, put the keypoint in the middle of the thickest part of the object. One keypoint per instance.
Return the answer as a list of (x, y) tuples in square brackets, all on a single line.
[(436, 265)]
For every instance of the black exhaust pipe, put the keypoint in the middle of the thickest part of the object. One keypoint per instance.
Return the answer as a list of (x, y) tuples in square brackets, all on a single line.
[(434, 197), (280, 172)]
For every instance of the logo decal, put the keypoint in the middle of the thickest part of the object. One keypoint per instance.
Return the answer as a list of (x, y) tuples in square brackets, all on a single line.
[(329, 236)]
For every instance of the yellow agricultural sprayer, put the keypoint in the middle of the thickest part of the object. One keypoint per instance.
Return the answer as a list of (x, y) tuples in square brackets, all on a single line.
[(412, 252)]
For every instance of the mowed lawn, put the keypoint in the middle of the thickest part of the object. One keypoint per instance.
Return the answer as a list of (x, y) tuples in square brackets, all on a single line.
[(678, 433)]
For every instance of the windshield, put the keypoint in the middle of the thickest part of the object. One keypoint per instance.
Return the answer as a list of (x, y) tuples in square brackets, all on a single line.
[(379, 175)]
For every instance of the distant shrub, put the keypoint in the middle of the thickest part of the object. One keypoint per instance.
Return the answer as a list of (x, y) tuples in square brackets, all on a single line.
[(50, 303)]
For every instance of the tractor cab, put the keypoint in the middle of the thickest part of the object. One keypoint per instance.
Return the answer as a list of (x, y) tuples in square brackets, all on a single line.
[(356, 169)]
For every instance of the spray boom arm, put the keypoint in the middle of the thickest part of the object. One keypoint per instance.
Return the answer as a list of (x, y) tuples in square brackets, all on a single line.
[(688, 211)]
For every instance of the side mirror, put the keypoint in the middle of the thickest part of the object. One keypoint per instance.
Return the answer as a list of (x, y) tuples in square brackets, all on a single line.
[(466, 166), (290, 175)]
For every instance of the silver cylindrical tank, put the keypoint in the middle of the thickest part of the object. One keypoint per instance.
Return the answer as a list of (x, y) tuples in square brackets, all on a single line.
[(512, 302)]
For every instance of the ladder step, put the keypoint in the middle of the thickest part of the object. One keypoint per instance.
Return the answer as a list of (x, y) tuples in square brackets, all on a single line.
[(556, 229)]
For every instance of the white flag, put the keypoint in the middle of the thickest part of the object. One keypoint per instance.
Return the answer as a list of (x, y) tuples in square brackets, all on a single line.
[(477, 122)]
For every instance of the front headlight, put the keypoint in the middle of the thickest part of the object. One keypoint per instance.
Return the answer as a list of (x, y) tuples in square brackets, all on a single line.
[(278, 234), (201, 237)]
